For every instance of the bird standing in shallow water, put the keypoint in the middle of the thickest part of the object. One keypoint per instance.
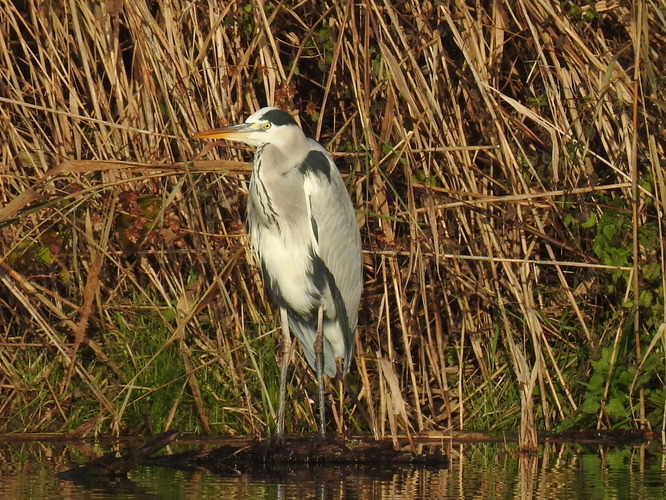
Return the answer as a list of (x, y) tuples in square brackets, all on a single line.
[(305, 236)]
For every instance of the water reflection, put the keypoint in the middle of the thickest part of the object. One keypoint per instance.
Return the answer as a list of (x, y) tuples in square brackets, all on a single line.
[(479, 470)]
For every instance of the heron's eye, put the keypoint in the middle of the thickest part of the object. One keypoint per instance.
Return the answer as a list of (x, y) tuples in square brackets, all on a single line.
[(267, 125)]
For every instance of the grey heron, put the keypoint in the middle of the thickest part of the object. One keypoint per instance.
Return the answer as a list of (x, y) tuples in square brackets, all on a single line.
[(306, 239)]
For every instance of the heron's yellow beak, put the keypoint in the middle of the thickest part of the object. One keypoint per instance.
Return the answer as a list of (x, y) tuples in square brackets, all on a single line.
[(230, 132)]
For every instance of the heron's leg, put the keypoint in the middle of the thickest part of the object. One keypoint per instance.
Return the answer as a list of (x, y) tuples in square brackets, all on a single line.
[(319, 368), (284, 366)]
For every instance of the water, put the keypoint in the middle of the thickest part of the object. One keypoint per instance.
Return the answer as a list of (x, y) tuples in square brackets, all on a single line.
[(478, 470)]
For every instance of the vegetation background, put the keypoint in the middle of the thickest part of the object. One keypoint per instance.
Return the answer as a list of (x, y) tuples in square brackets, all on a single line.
[(506, 160)]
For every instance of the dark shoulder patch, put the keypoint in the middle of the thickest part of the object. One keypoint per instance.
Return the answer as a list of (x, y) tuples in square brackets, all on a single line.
[(316, 162), (320, 273), (272, 286), (315, 228), (278, 117)]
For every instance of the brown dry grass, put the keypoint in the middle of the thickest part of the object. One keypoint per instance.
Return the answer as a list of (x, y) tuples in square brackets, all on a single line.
[(479, 141)]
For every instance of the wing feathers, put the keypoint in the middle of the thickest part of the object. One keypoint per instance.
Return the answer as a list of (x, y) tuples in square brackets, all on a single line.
[(339, 248)]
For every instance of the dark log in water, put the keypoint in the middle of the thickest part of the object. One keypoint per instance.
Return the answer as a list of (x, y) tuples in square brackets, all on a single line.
[(248, 455), (252, 455), (303, 451), (110, 465)]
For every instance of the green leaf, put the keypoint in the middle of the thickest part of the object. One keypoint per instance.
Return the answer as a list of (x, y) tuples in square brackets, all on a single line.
[(624, 379), (569, 220), (43, 255), (590, 222), (648, 236), (645, 298), (651, 271), (169, 314), (590, 406), (609, 231), (615, 407)]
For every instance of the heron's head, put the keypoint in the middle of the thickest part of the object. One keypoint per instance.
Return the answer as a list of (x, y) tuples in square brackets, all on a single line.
[(266, 126)]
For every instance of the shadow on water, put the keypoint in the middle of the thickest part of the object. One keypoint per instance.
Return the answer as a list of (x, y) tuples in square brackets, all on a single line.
[(474, 470)]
